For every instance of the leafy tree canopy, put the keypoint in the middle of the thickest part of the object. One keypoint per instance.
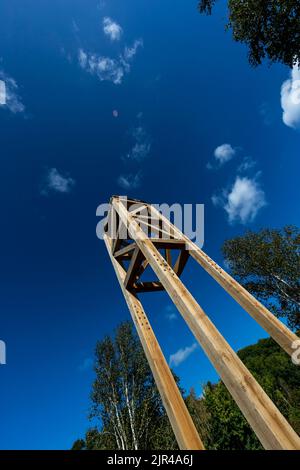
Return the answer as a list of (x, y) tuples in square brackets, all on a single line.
[(269, 28), (125, 400), (279, 377), (217, 418), (267, 264)]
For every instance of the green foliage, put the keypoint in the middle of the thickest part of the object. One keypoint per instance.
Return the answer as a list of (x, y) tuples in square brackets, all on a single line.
[(269, 28), (267, 264), (125, 398), (218, 419)]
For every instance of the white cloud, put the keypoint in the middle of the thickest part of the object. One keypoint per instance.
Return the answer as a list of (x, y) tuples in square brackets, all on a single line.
[(171, 313), (9, 94), (290, 99), (57, 182), (243, 201), (112, 29), (2, 93), (106, 68), (181, 355), (247, 164), (129, 52), (224, 153), (141, 147), (130, 181)]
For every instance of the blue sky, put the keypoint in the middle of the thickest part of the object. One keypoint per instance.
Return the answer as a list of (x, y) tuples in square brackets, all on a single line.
[(113, 97)]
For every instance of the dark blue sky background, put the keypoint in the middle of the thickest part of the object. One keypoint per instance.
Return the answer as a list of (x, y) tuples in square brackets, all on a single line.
[(58, 292)]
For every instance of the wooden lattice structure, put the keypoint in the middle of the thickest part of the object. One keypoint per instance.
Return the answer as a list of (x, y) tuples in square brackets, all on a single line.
[(154, 247)]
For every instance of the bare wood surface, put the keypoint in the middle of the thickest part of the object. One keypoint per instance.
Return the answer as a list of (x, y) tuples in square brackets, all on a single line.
[(271, 428), (180, 419), (276, 329)]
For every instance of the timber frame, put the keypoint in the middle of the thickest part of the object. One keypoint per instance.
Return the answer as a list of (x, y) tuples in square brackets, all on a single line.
[(138, 236)]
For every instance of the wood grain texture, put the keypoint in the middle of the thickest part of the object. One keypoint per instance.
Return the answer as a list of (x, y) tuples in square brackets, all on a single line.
[(271, 428), (180, 420)]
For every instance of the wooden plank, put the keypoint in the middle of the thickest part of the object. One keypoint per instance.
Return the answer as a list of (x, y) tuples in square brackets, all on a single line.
[(135, 263), (148, 287), (124, 252), (271, 428), (180, 419), (181, 261), (142, 268), (171, 243), (276, 329)]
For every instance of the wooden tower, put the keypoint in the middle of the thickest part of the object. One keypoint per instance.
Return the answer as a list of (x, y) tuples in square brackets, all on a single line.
[(150, 242)]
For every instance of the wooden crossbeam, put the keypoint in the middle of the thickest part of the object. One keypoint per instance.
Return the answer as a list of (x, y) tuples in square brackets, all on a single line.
[(125, 252), (142, 268), (148, 287), (171, 243)]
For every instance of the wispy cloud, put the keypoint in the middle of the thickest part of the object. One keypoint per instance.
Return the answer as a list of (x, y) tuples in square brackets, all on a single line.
[(290, 99), (222, 154), (56, 182), (266, 113), (130, 52), (171, 313), (181, 355), (130, 181), (247, 164), (107, 68), (243, 201), (112, 29), (10, 98), (141, 147)]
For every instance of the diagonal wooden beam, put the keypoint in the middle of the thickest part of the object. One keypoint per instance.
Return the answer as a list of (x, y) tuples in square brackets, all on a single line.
[(181, 262), (276, 329), (171, 243), (125, 252), (180, 419), (142, 268), (135, 263)]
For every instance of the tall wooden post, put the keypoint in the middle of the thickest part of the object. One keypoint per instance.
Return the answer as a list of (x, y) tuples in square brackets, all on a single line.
[(179, 417), (271, 428)]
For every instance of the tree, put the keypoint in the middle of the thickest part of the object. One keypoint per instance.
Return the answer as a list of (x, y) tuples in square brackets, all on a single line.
[(200, 415), (269, 28), (220, 422), (125, 398), (267, 264), (217, 418)]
